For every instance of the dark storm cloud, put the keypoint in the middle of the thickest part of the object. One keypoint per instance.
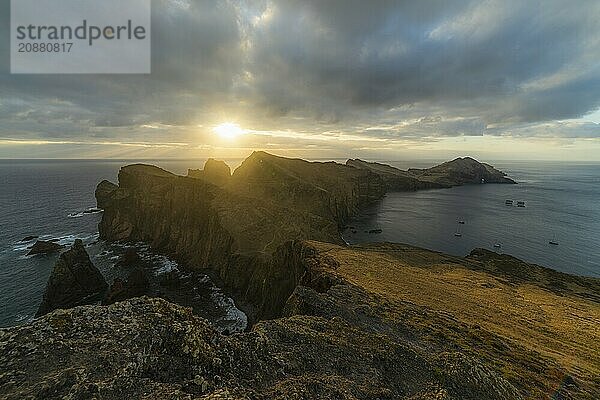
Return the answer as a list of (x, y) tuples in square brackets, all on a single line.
[(449, 68), (395, 53)]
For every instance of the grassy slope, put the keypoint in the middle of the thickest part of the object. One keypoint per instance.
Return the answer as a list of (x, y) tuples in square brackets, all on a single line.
[(545, 336)]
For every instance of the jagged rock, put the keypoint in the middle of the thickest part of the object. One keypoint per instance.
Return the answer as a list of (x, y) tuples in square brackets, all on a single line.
[(73, 281), (216, 172), (135, 285), (103, 192), (44, 247), (130, 258)]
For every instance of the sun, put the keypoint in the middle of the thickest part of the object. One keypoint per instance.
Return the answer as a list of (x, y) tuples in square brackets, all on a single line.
[(228, 130)]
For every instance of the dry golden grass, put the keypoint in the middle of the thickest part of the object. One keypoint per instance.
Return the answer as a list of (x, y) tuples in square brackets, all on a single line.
[(564, 328)]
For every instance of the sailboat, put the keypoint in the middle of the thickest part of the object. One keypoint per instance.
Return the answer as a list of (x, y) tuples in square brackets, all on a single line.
[(553, 242)]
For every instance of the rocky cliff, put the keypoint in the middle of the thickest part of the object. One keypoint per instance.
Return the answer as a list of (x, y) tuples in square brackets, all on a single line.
[(364, 322), (235, 228), (234, 224), (74, 280)]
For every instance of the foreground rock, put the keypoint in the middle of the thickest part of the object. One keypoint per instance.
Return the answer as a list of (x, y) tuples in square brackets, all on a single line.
[(44, 247), (365, 322), (73, 281)]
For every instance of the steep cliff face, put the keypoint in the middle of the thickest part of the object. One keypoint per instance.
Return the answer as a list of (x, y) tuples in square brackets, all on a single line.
[(235, 229), (330, 190)]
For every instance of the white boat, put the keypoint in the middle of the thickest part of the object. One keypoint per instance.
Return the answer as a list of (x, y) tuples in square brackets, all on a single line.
[(458, 233)]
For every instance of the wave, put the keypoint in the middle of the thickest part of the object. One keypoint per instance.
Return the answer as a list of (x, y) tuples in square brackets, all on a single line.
[(89, 211)]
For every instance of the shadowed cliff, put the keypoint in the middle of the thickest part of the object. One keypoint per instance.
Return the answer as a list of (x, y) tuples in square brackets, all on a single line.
[(234, 227)]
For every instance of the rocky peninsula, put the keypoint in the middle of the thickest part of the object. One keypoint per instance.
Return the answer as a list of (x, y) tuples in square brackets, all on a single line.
[(381, 321)]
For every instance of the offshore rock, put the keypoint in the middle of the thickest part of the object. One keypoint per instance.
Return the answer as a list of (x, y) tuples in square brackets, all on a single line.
[(73, 281), (44, 247)]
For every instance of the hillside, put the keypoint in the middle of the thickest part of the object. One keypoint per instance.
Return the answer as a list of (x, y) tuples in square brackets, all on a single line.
[(384, 321), (461, 171)]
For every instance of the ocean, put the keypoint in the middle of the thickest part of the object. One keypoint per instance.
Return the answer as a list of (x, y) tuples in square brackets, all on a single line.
[(562, 205), (47, 198)]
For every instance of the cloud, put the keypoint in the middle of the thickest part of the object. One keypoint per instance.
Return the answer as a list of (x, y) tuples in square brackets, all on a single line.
[(386, 70)]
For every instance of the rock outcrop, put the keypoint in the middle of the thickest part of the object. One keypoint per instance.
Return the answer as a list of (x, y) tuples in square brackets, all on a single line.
[(215, 172), (73, 281), (363, 322), (44, 247), (103, 191), (461, 171)]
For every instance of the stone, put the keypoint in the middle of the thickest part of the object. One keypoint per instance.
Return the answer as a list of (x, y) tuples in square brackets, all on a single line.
[(74, 280), (44, 247)]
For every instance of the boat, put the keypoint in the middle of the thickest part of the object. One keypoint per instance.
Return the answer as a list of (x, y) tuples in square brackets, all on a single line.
[(461, 222), (509, 202), (520, 204), (553, 243), (497, 245), (458, 233)]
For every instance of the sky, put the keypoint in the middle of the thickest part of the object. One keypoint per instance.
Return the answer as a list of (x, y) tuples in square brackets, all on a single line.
[(381, 80)]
